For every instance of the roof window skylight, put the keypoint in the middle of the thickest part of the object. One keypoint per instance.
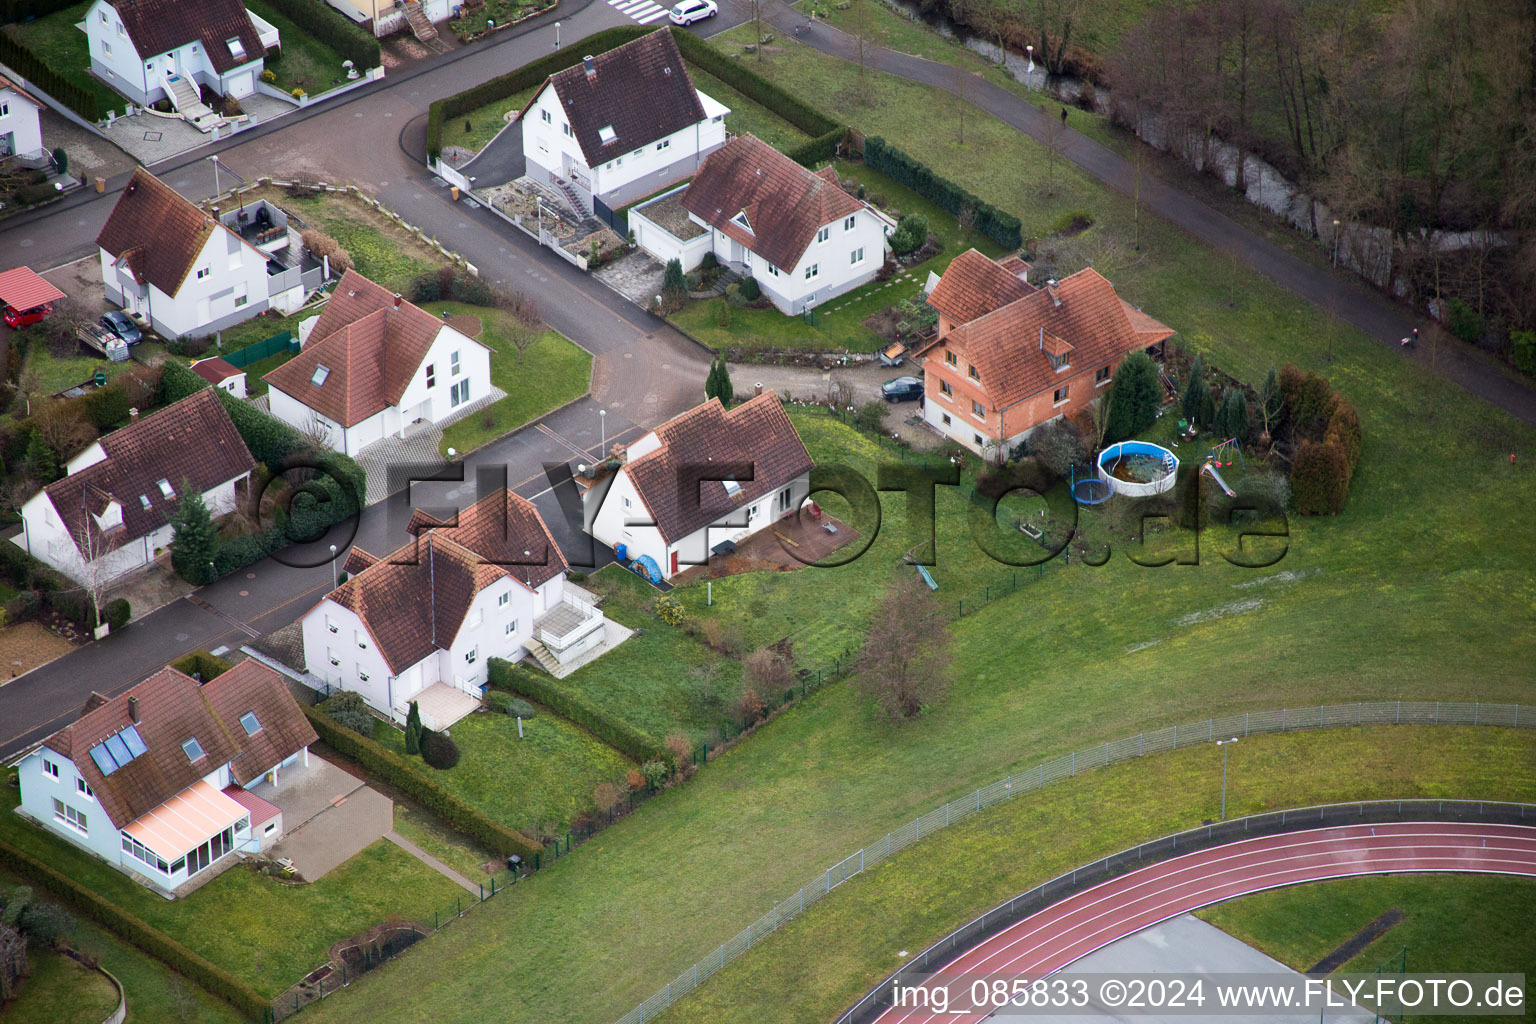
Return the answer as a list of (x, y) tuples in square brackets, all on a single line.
[(607, 134), (318, 377)]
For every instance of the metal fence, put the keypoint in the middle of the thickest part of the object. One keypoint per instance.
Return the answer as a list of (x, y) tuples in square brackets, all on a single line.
[(1066, 766), (255, 353), (1297, 819)]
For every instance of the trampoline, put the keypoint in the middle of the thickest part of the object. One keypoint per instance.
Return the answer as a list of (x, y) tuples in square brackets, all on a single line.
[(1090, 491)]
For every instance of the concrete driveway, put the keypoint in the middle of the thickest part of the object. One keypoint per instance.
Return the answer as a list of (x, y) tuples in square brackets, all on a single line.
[(811, 383), (329, 816)]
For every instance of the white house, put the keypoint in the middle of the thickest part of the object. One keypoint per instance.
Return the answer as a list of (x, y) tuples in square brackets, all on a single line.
[(620, 125), (21, 133), (167, 780), (165, 261), (112, 513), (384, 17), (222, 375), (373, 364), (151, 50), (419, 624), (795, 231), (699, 480)]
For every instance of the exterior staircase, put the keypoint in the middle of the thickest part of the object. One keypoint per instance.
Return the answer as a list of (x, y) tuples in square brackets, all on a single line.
[(421, 26), (541, 655), (572, 197), (184, 97)]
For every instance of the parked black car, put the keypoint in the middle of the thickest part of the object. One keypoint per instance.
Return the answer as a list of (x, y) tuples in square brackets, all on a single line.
[(902, 389), (119, 324)]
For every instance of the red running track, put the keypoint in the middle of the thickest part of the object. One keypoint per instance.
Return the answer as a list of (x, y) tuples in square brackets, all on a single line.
[(1076, 926)]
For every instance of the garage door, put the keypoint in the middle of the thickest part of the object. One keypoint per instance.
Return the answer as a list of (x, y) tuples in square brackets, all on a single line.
[(242, 84)]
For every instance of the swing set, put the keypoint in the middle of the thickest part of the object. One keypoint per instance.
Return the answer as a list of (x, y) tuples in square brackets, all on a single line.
[(1230, 447)]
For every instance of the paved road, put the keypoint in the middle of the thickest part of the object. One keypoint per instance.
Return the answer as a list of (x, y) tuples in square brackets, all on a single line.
[(1370, 312)]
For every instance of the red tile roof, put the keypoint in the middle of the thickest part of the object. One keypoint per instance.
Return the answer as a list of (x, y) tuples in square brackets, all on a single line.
[(973, 286), (6, 83), (707, 440), (191, 443), (172, 708), (159, 233), (159, 26), (784, 203), (414, 600), (370, 347), (1008, 346), (641, 91), (215, 370), (23, 288)]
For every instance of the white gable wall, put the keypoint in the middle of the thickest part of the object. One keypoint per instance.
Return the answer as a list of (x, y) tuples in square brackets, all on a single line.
[(826, 269), (21, 132), (141, 77), (226, 285)]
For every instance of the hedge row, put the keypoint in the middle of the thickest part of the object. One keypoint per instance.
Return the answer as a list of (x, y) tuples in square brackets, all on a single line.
[(136, 933), (820, 150), (31, 67), (512, 82), (332, 29), (1003, 228), (398, 772), (25, 572), (615, 732), (12, 11)]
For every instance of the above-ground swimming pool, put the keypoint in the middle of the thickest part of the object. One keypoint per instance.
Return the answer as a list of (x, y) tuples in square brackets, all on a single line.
[(1138, 468)]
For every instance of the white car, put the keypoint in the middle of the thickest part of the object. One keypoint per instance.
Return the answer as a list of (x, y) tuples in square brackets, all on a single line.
[(690, 11)]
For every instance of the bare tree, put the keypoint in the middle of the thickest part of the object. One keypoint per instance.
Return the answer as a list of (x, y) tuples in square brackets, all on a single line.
[(522, 336), (64, 431), (1098, 409), (317, 432), (16, 492), (28, 386), (94, 545), (766, 671), (904, 665)]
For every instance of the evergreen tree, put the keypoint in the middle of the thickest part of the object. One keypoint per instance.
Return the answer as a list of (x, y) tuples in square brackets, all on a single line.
[(1198, 405), (712, 381), (1134, 398), (44, 463), (413, 730), (727, 392), (1232, 418), (672, 277), (195, 543)]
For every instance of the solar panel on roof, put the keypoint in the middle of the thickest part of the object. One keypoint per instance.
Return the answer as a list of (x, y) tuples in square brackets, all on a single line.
[(103, 759), (135, 742), (119, 749)]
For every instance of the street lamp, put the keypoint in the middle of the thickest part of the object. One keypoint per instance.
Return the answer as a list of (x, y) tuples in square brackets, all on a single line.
[(557, 35), (333, 566), (219, 191), (1335, 241), (602, 425), (1223, 744), (1031, 51)]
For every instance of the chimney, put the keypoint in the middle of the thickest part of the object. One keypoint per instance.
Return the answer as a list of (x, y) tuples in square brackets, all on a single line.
[(398, 298), (1050, 289), (133, 414), (133, 709), (757, 389), (591, 66)]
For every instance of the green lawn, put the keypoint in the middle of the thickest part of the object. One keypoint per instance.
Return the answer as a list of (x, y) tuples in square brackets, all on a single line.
[(547, 777), (64, 48), (553, 371), (427, 831), (267, 934), (305, 62), (483, 123), (55, 375), (648, 680), (1451, 923), (839, 323), (60, 991)]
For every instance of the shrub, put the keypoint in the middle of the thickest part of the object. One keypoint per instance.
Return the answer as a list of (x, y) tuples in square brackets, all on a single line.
[(349, 41), (709, 261), (1058, 447), (605, 797), (348, 710), (32, 67), (117, 613), (750, 289), (1464, 321), (1344, 426), (519, 708), (74, 606), (910, 234), (655, 774), (202, 665), (723, 316), (45, 922), (1522, 351), (681, 748), (1199, 406), (672, 277), (398, 772), (750, 708), (570, 704), (413, 731), (871, 415), (23, 606), (438, 751), (1267, 494), (195, 542), (670, 610), (269, 76), (1320, 478), (25, 572), (1027, 472), (634, 780)]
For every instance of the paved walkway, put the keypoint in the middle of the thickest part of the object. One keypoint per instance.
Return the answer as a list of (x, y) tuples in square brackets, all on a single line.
[(431, 861), (1372, 313)]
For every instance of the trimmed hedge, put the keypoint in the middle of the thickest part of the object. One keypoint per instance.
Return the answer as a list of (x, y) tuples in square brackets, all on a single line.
[(201, 664), (136, 932), (618, 734), (25, 572), (332, 29), (31, 67), (1003, 228), (398, 772)]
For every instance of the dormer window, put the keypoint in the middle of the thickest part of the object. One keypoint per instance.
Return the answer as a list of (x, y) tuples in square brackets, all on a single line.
[(111, 517), (321, 373), (741, 218), (165, 488), (236, 48), (607, 134), (733, 489)]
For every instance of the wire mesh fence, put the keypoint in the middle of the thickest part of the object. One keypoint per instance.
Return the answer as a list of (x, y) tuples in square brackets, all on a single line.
[(1066, 766)]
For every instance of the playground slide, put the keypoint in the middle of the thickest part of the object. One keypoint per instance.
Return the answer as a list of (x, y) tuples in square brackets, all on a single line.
[(1210, 471), (922, 571)]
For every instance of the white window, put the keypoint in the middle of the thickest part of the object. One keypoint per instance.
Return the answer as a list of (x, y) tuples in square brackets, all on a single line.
[(165, 488), (362, 675), (850, 222), (106, 48), (50, 768), (547, 118), (607, 134), (823, 234), (458, 394), (67, 815), (138, 851), (103, 16), (773, 271), (453, 365), (121, 34), (241, 298), (511, 627), (1060, 395), (567, 129), (331, 625), (431, 376), (361, 638), (753, 514), (945, 417), (236, 48), (84, 789), (663, 144), (250, 723), (619, 162), (814, 270), (977, 439), (203, 272), (626, 503), (5, 109), (193, 749), (977, 410), (271, 827), (472, 655), (331, 656), (504, 599), (856, 257)]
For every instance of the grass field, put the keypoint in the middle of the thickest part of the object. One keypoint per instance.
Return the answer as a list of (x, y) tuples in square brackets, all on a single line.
[(553, 371), (60, 991), (1454, 923), (544, 778), (156, 994), (64, 48), (265, 933), (306, 62), (739, 834)]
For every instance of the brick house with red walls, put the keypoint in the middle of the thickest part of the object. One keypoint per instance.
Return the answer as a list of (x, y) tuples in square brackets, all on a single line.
[(1011, 357)]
